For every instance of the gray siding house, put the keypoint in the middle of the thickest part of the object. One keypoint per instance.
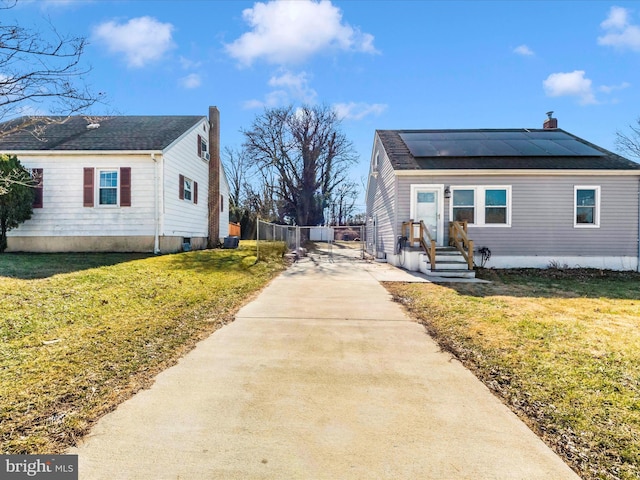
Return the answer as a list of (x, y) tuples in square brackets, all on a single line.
[(533, 197)]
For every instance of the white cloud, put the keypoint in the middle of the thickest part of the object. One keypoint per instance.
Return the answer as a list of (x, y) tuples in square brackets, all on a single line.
[(570, 84), (189, 64), (523, 50), (619, 32), (611, 88), (297, 86), (288, 88), (285, 32), (192, 80), (357, 111), (142, 40)]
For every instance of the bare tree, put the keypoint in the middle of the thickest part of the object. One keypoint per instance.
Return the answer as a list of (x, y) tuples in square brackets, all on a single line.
[(239, 173), (306, 153), (40, 68), (629, 143), (343, 202)]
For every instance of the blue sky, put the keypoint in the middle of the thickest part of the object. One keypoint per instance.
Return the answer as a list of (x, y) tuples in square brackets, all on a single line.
[(381, 64)]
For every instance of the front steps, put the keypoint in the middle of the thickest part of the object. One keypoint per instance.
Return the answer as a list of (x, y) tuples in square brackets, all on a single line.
[(449, 264)]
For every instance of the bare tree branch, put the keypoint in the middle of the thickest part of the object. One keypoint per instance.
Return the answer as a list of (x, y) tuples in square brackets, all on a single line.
[(41, 69), (306, 152), (629, 143)]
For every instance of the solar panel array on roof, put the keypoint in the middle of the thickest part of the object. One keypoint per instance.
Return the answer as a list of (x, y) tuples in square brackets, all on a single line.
[(496, 144)]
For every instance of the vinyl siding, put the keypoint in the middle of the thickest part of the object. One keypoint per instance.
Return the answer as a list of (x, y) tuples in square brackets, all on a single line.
[(181, 217), (384, 202), (63, 213), (542, 215)]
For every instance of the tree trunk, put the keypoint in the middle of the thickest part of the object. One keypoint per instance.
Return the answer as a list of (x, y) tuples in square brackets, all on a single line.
[(3, 235)]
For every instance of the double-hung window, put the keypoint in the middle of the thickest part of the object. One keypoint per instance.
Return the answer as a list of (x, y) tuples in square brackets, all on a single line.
[(586, 207), (481, 205), (464, 206), (108, 187), (187, 189), (495, 206), (202, 148)]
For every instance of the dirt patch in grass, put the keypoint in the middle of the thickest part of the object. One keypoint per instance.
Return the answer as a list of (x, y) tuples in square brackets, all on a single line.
[(560, 347), (77, 342)]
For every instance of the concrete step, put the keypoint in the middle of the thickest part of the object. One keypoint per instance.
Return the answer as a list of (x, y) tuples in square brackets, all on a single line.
[(451, 266), (438, 272)]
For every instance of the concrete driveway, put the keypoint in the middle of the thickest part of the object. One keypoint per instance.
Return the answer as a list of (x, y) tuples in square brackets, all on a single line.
[(321, 376)]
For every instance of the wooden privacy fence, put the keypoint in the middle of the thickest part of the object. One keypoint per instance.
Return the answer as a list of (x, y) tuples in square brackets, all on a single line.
[(234, 229)]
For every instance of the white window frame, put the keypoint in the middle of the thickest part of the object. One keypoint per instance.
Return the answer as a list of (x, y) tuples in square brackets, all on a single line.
[(480, 204), (596, 212), (475, 202), (204, 148), (99, 172), (187, 181)]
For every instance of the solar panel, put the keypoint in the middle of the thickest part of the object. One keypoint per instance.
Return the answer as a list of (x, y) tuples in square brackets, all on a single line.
[(495, 143), (578, 148), (551, 147)]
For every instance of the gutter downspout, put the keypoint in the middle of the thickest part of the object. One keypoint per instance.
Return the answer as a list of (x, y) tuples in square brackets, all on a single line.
[(156, 210), (638, 266)]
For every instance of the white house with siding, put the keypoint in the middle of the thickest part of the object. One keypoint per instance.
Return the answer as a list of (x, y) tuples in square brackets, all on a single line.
[(121, 183), (532, 197)]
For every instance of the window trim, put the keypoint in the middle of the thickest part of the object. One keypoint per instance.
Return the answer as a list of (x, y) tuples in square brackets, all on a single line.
[(203, 147), (596, 212), (187, 182), (479, 207), (474, 205), (98, 188), (182, 190)]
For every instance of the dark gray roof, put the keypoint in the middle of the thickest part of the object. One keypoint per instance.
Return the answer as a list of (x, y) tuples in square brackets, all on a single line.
[(495, 149), (114, 133)]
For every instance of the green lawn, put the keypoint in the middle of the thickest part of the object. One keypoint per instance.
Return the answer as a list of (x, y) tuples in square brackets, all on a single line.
[(561, 348), (79, 333)]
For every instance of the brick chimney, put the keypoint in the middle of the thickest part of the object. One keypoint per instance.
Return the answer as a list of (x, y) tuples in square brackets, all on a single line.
[(550, 122), (214, 177)]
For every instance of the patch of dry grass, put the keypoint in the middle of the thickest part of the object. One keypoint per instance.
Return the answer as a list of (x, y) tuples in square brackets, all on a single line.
[(561, 348), (78, 340)]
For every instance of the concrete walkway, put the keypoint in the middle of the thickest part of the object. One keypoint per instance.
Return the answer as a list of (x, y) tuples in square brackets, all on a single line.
[(320, 377)]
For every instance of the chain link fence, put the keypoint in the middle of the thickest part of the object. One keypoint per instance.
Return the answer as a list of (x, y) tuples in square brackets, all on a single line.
[(337, 243)]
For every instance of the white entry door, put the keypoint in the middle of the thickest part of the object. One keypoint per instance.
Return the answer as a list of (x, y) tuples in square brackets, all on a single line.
[(427, 205)]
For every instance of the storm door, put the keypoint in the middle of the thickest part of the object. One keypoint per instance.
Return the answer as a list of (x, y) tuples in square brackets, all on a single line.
[(426, 205)]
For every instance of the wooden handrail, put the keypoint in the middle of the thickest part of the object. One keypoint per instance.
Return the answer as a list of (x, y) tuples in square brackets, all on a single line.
[(424, 238), (458, 238)]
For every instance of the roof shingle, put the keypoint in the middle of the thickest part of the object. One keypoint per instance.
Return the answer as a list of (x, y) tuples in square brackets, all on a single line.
[(114, 133)]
